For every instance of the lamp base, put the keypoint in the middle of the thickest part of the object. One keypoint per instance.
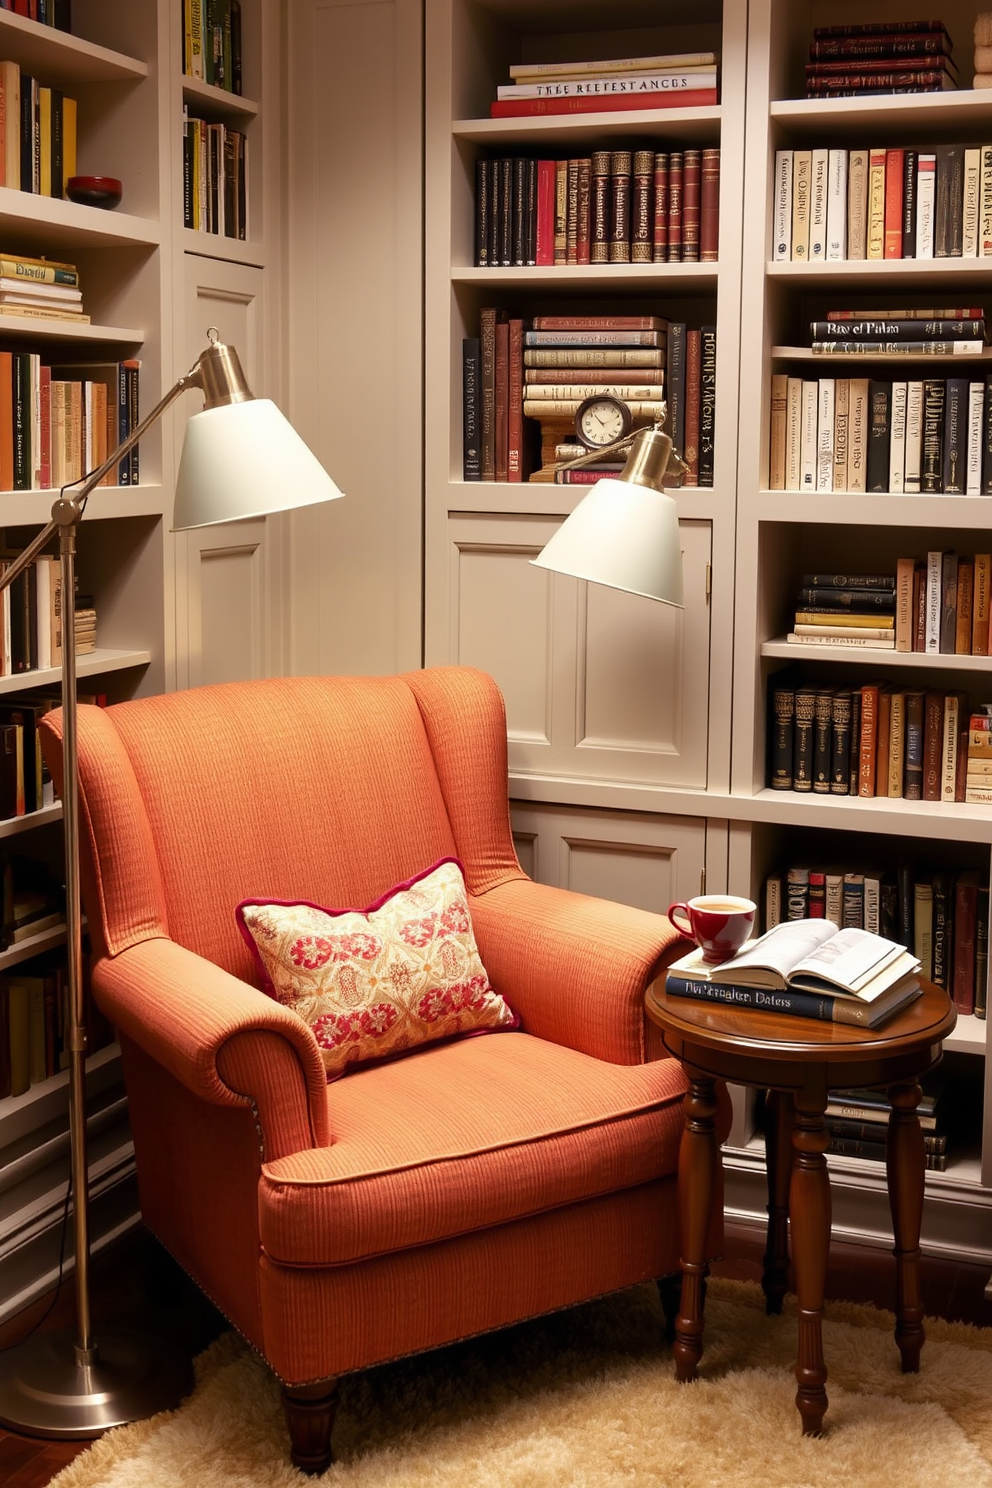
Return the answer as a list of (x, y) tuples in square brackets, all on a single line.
[(45, 1392)]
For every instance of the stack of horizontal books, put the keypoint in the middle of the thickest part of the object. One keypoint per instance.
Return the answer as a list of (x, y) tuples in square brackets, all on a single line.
[(846, 610), (899, 333), (40, 287), (857, 1122), (880, 57), (808, 968), (674, 80), (978, 777)]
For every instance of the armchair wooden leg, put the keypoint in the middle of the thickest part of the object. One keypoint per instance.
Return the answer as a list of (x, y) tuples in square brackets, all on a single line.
[(309, 1411)]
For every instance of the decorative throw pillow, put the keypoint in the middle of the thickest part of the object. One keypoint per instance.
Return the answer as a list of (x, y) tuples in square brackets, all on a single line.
[(377, 982)]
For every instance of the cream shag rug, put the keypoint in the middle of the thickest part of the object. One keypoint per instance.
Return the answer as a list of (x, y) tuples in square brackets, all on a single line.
[(587, 1399)]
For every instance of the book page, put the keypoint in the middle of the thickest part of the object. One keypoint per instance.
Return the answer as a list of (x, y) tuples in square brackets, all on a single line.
[(848, 959), (779, 949)]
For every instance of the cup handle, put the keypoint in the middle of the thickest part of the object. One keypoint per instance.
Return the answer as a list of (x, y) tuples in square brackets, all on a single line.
[(680, 908)]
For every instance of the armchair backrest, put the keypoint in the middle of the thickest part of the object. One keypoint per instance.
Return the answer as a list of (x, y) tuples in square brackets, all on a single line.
[(330, 789)]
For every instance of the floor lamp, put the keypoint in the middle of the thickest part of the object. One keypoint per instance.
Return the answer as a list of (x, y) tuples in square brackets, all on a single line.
[(625, 533), (240, 458)]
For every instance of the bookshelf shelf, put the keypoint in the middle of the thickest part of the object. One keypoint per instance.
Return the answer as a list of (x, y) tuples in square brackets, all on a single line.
[(920, 114), (604, 278), (61, 58), (873, 657), (687, 125), (225, 250), (851, 509), (27, 219), (218, 103), (47, 1096), (28, 329), (90, 664), (865, 274)]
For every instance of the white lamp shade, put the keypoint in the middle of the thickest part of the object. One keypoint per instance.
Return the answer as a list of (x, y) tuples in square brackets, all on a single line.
[(623, 535), (245, 460)]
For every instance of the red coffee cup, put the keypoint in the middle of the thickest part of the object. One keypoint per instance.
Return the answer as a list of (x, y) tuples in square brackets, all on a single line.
[(718, 923)]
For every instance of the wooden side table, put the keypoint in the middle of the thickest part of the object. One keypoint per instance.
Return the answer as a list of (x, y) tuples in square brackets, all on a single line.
[(798, 1060)]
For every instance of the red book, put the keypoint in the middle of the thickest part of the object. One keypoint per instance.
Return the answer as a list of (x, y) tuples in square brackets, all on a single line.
[(545, 239), (515, 108), (675, 207), (583, 225), (692, 165), (515, 403), (502, 397), (660, 239), (45, 420), (892, 229), (709, 207), (690, 446)]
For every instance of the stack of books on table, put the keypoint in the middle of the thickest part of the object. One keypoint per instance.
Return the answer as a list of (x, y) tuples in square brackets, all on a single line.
[(674, 80), (978, 776), (810, 969), (40, 287), (846, 610), (857, 1122), (880, 57)]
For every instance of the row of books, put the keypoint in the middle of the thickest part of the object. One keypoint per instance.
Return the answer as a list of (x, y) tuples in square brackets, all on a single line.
[(673, 80), (40, 288), (943, 604), (857, 1123), (215, 178), (873, 739), (57, 13), (34, 1022), (920, 435), (882, 57), (882, 202), (37, 134), (942, 917), (611, 206), (211, 41), (59, 422)]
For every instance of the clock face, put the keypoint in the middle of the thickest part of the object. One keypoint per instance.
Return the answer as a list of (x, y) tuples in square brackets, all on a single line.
[(600, 421)]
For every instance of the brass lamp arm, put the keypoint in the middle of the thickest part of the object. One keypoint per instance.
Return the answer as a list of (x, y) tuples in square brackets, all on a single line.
[(675, 462)]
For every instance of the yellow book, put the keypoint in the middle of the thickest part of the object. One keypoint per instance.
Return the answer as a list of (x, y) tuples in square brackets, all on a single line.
[(68, 138), (876, 204), (45, 141)]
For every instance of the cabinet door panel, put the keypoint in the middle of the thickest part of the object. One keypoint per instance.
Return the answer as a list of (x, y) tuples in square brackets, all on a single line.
[(645, 860), (598, 684)]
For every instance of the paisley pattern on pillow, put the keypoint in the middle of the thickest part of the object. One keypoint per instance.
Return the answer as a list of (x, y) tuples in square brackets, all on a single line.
[(382, 981)]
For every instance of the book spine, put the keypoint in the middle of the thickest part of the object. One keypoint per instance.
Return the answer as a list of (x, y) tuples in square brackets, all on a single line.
[(802, 1004), (840, 754), (709, 207), (893, 203), (659, 231), (913, 755), (782, 225), (953, 468), (877, 463), (782, 734), (676, 179), (857, 204), (803, 739), (501, 399), (471, 452), (691, 188), (675, 382), (487, 423), (819, 158), (837, 205), (802, 163), (908, 225), (515, 453), (875, 226), (707, 405), (641, 213)]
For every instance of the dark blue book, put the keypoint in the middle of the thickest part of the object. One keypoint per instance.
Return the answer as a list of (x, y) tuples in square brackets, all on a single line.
[(955, 451), (795, 1002)]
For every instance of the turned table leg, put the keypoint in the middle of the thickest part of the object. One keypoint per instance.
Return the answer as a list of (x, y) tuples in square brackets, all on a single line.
[(905, 1163), (698, 1158), (809, 1212), (778, 1162)]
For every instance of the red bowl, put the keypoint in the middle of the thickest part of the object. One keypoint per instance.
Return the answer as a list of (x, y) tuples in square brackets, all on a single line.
[(94, 191)]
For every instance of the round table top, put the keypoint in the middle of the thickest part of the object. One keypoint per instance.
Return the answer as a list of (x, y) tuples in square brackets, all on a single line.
[(718, 1027)]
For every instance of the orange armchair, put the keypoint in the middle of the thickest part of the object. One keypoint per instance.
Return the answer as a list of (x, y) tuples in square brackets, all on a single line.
[(410, 1203)]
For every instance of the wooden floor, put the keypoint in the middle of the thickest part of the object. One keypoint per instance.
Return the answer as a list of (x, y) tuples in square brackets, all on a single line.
[(138, 1286)]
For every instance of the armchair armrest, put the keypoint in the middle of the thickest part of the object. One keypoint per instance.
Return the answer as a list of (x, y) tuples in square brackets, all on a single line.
[(224, 1040), (573, 967)]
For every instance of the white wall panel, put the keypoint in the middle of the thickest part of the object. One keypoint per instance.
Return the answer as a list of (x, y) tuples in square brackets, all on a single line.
[(598, 684), (631, 857)]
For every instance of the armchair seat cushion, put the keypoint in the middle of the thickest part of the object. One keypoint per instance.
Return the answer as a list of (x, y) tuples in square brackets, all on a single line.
[(466, 1136)]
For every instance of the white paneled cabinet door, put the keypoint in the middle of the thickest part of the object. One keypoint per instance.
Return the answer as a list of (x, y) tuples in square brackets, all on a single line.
[(632, 857), (599, 685), (224, 613)]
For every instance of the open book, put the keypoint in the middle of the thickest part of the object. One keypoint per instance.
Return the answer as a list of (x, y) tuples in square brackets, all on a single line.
[(813, 956)]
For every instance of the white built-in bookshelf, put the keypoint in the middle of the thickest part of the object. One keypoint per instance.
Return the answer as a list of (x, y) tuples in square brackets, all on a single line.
[(638, 740), (151, 288)]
